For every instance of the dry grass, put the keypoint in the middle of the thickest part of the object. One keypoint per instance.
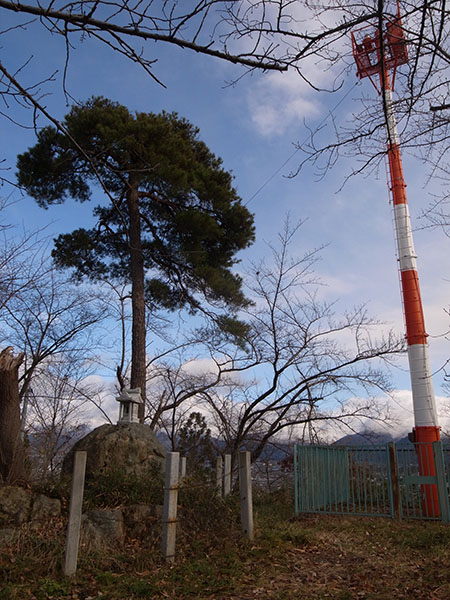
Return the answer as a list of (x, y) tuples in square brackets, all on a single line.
[(307, 558)]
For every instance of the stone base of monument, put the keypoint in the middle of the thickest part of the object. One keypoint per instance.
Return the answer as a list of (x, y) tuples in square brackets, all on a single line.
[(129, 448)]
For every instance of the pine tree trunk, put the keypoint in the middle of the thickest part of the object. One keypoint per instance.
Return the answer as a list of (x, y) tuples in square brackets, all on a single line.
[(12, 468), (138, 353)]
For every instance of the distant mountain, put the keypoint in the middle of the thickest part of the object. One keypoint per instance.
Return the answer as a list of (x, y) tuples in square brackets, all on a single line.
[(372, 438), (365, 438), (274, 452), (278, 451)]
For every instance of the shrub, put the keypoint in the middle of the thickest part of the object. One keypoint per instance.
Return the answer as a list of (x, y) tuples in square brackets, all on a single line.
[(116, 488)]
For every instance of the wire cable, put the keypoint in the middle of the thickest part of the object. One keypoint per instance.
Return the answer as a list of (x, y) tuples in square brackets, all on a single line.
[(324, 120)]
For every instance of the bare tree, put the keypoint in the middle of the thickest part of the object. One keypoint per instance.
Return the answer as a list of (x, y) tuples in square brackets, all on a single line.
[(302, 366), (312, 365), (52, 319), (22, 259), (172, 387), (21, 266), (264, 35), (49, 320), (55, 416)]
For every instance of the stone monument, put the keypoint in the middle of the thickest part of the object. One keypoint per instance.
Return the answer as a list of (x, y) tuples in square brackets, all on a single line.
[(129, 405), (130, 447)]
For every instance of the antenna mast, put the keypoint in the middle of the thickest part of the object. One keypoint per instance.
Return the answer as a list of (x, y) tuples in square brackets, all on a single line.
[(377, 53)]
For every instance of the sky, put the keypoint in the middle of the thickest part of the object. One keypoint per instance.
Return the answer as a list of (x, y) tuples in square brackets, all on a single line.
[(254, 126)]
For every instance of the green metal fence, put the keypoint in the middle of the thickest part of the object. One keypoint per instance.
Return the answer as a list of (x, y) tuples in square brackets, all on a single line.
[(342, 480), (382, 481), (423, 496)]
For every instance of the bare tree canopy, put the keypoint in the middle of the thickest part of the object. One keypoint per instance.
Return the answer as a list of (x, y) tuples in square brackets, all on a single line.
[(304, 365), (265, 34), (52, 319), (257, 35)]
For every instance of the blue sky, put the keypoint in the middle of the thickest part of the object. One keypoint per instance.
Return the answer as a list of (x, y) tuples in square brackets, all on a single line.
[(253, 127)]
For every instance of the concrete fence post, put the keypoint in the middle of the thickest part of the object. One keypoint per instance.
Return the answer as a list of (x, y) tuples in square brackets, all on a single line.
[(75, 509), (182, 467), (245, 489), (227, 475), (169, 519), (219, 467)]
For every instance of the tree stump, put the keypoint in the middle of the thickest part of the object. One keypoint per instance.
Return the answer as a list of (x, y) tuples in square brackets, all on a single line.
[(12, 469)]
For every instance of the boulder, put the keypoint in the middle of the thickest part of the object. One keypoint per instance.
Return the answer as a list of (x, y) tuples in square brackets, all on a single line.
[(101, 527), (132, 448), (14, 505), (45, 508)]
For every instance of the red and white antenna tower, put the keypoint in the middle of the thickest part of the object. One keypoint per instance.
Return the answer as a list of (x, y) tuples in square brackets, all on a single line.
[(378, 50)]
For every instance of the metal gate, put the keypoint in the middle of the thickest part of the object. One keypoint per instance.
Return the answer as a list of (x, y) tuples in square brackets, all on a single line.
[(382, 481)]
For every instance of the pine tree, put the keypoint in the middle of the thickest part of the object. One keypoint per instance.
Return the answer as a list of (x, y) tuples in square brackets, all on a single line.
[(174, 222), (194, 442)]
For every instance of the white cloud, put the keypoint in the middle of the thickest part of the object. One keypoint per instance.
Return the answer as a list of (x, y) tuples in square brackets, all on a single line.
[(280, 101), (103, 395), (398, 408), (401, 414), (200, 366)]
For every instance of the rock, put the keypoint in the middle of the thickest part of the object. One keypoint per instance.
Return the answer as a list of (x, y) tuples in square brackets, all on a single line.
[(101, 527), (45, 508), (137, 512), (130, 448), (140, 519), (14, 505)]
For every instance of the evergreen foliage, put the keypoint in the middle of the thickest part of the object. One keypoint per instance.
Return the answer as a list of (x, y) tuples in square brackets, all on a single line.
[(194, 442), (192, 220)]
